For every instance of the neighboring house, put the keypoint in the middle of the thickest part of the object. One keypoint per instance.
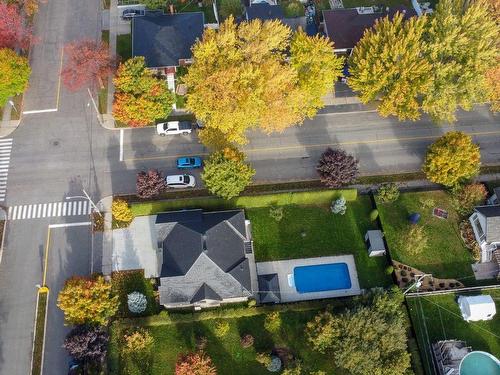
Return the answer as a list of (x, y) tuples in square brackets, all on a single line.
[(205, 258), (486, 225), (495, 198), (345, 27), (264, 12)]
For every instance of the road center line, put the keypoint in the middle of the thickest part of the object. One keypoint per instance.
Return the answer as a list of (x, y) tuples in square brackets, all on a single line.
[(321, 145)]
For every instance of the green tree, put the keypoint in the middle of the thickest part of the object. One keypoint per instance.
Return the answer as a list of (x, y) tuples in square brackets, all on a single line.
[(466, 197), (226, 174), (230, 7), (87, 300), (241, 78), (387, 64), (365, 340), (452, 159), (15, 72), (317, 66), (462, 46), (140, 97), (272, 322)]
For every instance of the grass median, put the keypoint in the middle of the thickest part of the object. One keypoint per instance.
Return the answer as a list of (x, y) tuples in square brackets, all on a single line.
[(39, 339)]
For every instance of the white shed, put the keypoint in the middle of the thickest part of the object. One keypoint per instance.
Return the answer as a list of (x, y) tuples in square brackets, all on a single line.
[(476, 308), (375, 243)]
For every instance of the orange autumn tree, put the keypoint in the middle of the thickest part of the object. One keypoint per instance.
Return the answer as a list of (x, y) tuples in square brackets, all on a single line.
[(195, 364), (140, 97)]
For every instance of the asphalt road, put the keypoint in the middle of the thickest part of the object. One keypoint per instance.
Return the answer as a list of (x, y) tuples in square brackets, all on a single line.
[(56, 154)]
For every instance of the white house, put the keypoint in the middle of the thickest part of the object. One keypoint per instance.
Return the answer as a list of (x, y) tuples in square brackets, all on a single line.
[(485, 222)]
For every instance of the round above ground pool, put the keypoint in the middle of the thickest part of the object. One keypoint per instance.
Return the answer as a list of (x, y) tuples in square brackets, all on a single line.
[(476, 363)]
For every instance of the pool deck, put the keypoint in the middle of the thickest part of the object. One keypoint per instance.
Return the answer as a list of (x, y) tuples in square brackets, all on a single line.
[(285, 267)]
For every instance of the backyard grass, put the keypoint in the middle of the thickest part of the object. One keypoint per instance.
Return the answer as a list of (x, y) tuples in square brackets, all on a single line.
[(227, 354), (313, 231), (440, 316), (124, 46), (192, 6), (249, 201), (445, 256)]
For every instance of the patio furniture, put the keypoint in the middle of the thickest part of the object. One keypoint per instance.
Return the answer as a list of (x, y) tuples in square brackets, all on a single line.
[(440, 213)]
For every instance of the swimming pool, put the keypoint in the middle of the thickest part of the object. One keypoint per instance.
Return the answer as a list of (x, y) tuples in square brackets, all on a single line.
[(478, 362), (321, 277)]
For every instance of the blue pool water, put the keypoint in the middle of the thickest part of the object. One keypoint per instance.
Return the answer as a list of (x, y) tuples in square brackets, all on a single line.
[(321, 277), (479, 363)]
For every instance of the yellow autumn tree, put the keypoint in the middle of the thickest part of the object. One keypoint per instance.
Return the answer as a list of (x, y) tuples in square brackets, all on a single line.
[(462, 46), (87, 300), (387, 64), (452, 159), (241, 79)]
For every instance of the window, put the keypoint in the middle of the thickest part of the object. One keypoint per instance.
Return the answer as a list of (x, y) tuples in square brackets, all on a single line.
[(479, 229)]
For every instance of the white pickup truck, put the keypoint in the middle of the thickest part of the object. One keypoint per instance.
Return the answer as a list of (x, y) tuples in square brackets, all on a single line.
[(174, 127)]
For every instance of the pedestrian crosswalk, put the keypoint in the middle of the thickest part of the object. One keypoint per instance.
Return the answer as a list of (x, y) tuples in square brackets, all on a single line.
[(5, 149), (54, 209)]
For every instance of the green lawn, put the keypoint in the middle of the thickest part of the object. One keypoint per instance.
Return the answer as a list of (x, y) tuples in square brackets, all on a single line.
[(312, 231), (124, 46), (192, 6), (369, 3), (443, 320), (228, 356), (446, 256)]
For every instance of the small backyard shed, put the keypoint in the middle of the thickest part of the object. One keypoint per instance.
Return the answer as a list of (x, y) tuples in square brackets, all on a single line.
[(475, 308), (375, 243)]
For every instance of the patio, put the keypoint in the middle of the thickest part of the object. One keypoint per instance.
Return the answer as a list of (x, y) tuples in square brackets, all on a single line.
[(288, 293)]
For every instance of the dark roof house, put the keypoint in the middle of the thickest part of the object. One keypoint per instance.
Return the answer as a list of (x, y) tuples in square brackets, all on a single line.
[(264, 11), (165, 40), (269, 288), (206, 258), (345, 27)]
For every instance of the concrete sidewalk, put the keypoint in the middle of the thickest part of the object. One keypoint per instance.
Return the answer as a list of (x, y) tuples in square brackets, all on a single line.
[(7, 126)]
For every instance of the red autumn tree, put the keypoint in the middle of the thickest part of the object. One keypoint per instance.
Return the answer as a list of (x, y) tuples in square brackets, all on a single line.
[(13, 31), (150, 183), (86, 62), (195, 364)]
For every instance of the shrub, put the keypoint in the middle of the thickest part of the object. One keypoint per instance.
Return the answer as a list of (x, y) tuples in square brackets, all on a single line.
[(127, 282), (136, 302), (87, 343), (221, 329), (247, 341), (389, 270), (252, 303), (276, 213), (15, 72), (230, 7), (201, 343), (336, 168), (339, 206), (388, 192), (150, 184), (467, 234), (138, 341), (87, 300), (195, 364), (465, 198), (294, 9), (321, 332), (414, 239), (373, 215), (272, 323), (121, 211), (263, 358)]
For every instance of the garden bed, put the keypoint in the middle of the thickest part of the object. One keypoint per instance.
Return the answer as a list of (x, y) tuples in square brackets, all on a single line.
[(313, 231), (446, 255), (438, 317)]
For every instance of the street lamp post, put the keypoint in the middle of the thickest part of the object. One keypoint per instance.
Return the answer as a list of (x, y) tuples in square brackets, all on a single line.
[(86, 196), (11, 102)]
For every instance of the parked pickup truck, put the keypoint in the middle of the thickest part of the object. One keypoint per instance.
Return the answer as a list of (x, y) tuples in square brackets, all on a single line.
[(174, 127)]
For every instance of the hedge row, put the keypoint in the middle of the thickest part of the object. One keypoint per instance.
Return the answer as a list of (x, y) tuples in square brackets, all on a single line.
[(249, 201)]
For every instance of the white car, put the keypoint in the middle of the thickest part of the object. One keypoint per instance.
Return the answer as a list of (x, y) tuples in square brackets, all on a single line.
[(180, 181), (174, 127)]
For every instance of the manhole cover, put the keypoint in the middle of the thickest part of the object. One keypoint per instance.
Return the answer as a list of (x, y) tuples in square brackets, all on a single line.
[(55, 142)]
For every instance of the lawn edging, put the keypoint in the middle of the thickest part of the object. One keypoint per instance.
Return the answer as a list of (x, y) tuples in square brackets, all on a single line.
[(38, 349), (246, 201)]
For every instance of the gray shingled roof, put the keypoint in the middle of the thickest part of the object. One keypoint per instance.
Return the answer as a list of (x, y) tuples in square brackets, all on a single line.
[(492, 214), (164, 39), (197, 249), (205, 292), (269, 288), (264, 11)]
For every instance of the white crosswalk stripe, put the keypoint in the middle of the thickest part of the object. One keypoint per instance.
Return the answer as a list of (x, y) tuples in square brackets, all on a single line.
[(54, 209), (5, 150)]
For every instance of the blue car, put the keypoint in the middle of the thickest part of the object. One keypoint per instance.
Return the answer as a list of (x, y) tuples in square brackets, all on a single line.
[(189, 162)]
